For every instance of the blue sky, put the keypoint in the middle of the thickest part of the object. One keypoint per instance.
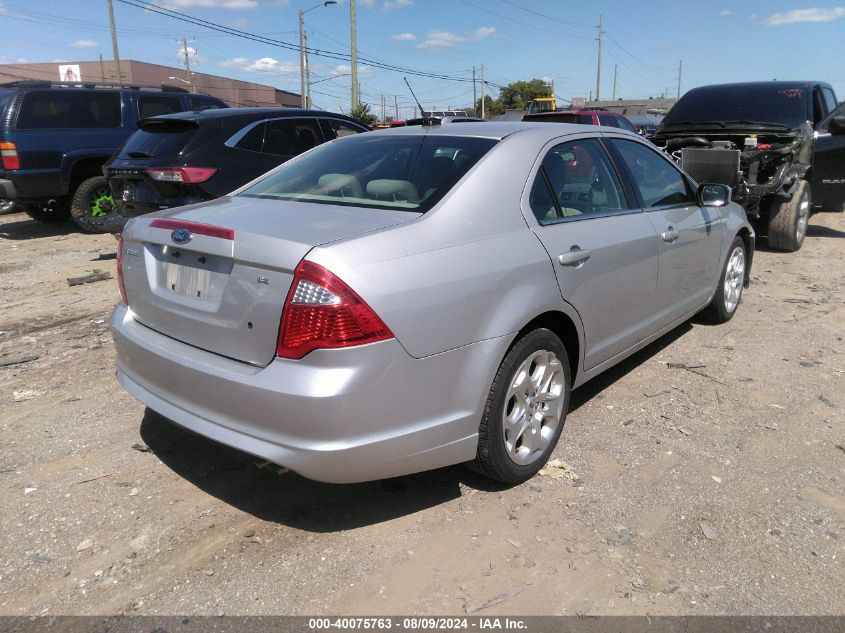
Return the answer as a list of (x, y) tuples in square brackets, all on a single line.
[(717, 40)]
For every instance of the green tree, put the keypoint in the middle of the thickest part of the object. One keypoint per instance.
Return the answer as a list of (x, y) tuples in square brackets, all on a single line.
[(515, 96), (361, 112), (491, 107)]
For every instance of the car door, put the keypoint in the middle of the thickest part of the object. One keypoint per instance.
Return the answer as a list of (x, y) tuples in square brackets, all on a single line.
[(603, 249), (828, 173), (690, 235)]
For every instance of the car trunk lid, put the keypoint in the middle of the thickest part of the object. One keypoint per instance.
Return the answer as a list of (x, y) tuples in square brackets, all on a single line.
[(216, 275)]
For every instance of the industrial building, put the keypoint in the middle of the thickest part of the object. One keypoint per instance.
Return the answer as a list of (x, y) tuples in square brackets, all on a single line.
[(233, 91)]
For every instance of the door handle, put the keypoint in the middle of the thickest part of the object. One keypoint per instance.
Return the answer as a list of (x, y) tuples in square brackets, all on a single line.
[(669, 235), (574, 257)]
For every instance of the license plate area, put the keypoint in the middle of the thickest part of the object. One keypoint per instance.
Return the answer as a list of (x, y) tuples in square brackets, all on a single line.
[(186, 273)]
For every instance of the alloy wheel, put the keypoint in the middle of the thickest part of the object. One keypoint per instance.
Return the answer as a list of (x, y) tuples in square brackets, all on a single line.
[(734, 278)]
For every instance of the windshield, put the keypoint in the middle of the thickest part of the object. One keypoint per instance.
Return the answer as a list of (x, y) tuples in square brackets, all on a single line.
[(403, 172), (756, 103)]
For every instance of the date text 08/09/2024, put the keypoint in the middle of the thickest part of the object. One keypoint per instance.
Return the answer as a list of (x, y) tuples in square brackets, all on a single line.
[(416, 623)]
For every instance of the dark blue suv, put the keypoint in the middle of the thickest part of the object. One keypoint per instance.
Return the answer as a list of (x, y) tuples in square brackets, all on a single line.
[(56, 136)]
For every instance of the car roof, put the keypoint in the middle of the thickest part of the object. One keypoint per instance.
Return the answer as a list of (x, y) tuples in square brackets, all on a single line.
[(499, 130), (249, 114), (762, 85)]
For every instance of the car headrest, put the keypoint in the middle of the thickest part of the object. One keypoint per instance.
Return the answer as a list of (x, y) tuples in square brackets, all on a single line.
[(396, 190), (341, 184)]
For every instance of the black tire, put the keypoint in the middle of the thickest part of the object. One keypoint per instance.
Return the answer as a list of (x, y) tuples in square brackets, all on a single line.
[(493, 458), (720, 309), (59, 213), (92, 204), (788, 219)]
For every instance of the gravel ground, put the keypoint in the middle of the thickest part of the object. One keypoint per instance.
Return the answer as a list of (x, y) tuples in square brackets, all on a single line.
[(712, 486)]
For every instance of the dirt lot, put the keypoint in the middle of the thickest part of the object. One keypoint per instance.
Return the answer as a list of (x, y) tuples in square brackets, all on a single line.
[(718, 488)]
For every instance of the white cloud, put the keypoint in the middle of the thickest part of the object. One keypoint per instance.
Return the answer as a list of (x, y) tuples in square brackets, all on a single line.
[(403, 37), (390, 5), (261, 65), (211, 4), (346, 69), (240, 23), (193, 56), (805, 15), (366, 4), (726, 13), (441, 40), (83, 44), (281, 3)]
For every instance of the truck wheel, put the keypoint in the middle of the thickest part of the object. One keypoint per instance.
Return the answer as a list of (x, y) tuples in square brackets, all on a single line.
[(729, 291), (92, 203), (41, 213), (526, 409), (788, 220)]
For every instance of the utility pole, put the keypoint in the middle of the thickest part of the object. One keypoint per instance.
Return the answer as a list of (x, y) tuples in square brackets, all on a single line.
[(187, 64), (383, 112), (396, 105), (114, 44), (102, 69), (615, 72), (303, 99), (474, 96), (598, 67), (353, 43), (680, 68), (483, 112)]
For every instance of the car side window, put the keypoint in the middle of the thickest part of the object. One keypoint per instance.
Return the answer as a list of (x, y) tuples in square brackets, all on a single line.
[(576, 179), (609, 119), (339, 129), (198, 103), (69, 109), (658, 181), (291, 137), (153, 105), (253, 140), (829, 99)]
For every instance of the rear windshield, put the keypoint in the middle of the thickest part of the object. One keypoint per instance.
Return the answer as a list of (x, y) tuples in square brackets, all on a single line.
[(69, 109), (742, 104), (159, 139), (403, 172)]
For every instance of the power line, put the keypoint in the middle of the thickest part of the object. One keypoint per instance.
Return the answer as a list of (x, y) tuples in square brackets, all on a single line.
[(530, 26), (140, 4), (548, 17)]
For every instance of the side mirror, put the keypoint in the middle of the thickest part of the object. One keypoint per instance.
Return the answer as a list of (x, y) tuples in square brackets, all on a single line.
[(836, 125), (714, 195)]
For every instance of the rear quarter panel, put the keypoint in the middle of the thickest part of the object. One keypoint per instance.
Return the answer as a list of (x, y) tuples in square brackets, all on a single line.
[(468, 270)]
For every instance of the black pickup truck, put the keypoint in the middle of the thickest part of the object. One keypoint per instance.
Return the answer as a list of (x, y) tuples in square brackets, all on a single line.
[(770, 142)]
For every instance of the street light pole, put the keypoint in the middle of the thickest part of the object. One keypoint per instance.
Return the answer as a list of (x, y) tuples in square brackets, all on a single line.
[(353, 45), (304, 81)]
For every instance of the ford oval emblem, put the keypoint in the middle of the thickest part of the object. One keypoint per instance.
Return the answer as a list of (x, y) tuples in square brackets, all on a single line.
[(181, 236)]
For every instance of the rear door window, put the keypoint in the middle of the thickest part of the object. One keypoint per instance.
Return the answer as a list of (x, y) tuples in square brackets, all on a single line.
[(336, 128), (291, 137), (253, 140), (583, 183), (198, 103), (153, 105), (69, 109), (609, 120)]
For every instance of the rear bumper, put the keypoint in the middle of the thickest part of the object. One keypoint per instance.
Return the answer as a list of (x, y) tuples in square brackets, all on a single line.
[(337, 416)]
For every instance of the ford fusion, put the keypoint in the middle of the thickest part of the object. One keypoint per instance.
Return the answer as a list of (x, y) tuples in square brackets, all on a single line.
[(405, 300)]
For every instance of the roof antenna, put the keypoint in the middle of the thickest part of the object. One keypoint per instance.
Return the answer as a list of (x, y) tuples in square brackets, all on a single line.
[(414, 96)]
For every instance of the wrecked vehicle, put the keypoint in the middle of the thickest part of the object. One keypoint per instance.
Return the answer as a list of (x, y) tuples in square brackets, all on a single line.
[(758, 139)]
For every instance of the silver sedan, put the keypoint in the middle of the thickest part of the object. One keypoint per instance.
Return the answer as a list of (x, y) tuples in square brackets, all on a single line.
[(403, 300)]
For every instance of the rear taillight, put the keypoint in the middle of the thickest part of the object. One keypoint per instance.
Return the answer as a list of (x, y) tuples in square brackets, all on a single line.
[(9, 154), (187, 175), (120, 285), (321, 312)]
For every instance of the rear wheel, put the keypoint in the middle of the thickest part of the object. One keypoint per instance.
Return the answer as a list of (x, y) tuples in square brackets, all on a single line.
[(788, 220), (60, 212), (526, 409), (729, 292), (92, 203)]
